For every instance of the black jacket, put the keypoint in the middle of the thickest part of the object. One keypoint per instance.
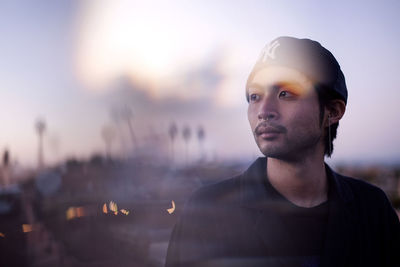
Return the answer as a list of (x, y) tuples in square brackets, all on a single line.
[(233, 223)]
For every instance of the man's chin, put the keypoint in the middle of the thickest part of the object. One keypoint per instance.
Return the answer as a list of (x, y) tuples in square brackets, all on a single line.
[(274, 151), (271, 152)]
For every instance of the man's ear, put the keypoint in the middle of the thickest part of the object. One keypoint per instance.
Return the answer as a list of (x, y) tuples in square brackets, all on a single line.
[(334, 111)]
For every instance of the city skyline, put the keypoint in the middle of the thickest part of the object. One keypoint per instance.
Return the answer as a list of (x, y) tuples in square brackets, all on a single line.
[(72, 62)]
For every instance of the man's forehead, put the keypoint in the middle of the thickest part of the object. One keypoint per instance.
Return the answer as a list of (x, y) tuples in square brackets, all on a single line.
[(309, 57), (273, 75)]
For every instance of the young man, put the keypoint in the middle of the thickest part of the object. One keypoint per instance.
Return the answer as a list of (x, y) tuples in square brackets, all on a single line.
[(289, 208)]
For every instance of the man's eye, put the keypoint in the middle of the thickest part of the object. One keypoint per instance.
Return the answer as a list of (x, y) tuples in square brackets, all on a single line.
[(254, 97), (286, 94)]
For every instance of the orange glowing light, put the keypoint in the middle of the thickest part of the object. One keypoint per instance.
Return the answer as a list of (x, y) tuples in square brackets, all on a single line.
[(124, 211), (105, 208), (80, 211), (70, 213), (171, 210), (26, 228), (75, 212), (2, 235), (113, 207)]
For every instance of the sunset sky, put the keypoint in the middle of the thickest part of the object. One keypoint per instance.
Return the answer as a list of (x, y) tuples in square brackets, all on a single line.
[(73, 62)]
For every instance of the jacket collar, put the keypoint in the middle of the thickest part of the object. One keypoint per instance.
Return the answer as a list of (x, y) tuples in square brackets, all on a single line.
[(342, 219), (254, 192)]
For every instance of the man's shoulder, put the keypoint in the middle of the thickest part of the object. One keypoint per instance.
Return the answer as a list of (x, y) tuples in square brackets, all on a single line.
[(362, 190)]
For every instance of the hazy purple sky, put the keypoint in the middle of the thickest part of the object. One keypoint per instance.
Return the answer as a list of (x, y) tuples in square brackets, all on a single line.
[(71, 62)]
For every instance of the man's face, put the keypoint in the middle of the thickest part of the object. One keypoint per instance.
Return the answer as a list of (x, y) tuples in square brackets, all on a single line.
[(283, 113)]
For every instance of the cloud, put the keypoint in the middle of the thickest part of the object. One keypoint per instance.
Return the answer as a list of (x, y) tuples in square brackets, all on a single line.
[(191, 101), (192, 91)]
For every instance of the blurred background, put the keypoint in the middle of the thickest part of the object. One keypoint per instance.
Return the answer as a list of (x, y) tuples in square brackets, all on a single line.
[(113, 112)]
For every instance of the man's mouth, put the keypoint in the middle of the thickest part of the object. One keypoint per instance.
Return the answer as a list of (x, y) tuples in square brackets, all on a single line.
[(268, 134), (269, 131)]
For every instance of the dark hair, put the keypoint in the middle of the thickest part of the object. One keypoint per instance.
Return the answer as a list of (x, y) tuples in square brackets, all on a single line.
[(325, 96)]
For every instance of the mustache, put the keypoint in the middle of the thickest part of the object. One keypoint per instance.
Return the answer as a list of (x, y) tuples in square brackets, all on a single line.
[(271, 127)]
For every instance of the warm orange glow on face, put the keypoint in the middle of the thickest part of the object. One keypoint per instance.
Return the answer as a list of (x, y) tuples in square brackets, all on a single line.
[(287, 79), (2, 235)]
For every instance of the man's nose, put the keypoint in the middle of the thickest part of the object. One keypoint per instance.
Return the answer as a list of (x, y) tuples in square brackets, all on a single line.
[(268, 109)]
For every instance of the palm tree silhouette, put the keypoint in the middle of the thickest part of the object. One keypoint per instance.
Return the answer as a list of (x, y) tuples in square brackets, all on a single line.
[(173, 132), (40, 126), (108, 134), (186, 133), (201, 134)]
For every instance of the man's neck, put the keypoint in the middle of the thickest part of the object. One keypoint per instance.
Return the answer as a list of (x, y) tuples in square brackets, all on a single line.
[(304, 183)]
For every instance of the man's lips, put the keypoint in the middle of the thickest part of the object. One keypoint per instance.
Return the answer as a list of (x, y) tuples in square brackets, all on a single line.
[(267, 131), (268, 134)]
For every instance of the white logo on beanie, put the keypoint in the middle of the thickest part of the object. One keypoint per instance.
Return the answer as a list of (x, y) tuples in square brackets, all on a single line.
[(269, 51)]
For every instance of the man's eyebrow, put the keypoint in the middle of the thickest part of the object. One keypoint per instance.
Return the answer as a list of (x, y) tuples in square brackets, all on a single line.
[(287, 83), (276, 84)]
